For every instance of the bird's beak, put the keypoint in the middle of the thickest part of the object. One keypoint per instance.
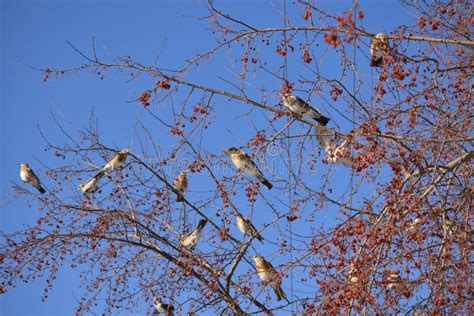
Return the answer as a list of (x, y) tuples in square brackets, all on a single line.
[(227, 151)]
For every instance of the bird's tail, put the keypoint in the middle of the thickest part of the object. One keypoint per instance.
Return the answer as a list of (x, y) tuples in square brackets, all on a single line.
[(40, 189), (279, 292), (376, 62), (201, 224), (179, 198), (265, 182), (99, 175), (321, 119), (259, 237)]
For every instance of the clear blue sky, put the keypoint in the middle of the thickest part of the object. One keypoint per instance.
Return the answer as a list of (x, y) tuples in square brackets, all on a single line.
[(36, 32)]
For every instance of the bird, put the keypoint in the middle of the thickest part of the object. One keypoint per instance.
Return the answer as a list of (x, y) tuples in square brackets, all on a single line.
[(396, 283), (117, 161), (266, 272), (337, 152), (298, 106), (378, 47), (247, 228), (190, 240), (160, 307), (180, 185), (393, 279), (244, 164), (413, 225), (90, 185), (28, 176)]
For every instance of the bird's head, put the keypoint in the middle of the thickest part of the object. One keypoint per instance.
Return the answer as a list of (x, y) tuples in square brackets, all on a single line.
[(232, 150), (202, 222), (285, 96), (288, 98), (124, 151), (182, 175), (257, 259), (382, 37), (24, 165)]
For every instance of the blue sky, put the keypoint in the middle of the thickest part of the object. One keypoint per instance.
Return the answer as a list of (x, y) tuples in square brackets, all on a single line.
[(36, 33)]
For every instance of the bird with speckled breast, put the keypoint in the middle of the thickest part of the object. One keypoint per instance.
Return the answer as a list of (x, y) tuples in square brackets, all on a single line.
[(244, 164), (28, 176), (378, 47), (180, 185), (246, 227), (299, 107), (267, 273), (117, 161)]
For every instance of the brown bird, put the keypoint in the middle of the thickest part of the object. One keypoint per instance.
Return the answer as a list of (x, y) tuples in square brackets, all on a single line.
[(378, 47), (116, 162), (28, 176), (244, 164), (180, 185), (298, 106), (247, 228), (396, 283), (90, 185), (266, 272), (160, 307), (190, 240)]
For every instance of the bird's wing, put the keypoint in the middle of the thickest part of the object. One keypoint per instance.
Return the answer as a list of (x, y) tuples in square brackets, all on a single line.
[(372, 45), (34, 178), (252, 228), (270, 268), (302, 102), (326, 139), (251, 167)]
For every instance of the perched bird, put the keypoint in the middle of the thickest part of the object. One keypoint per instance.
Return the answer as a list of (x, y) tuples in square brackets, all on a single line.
[(337, 152), (393, 279), (413, 226), (180, 185), (160, 307), (116, 162), (378, 48), (266, 272), (190, 240), (28, 176), (396, 283), (247, 228), (90, 185), (244, 164), (299, 107)]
